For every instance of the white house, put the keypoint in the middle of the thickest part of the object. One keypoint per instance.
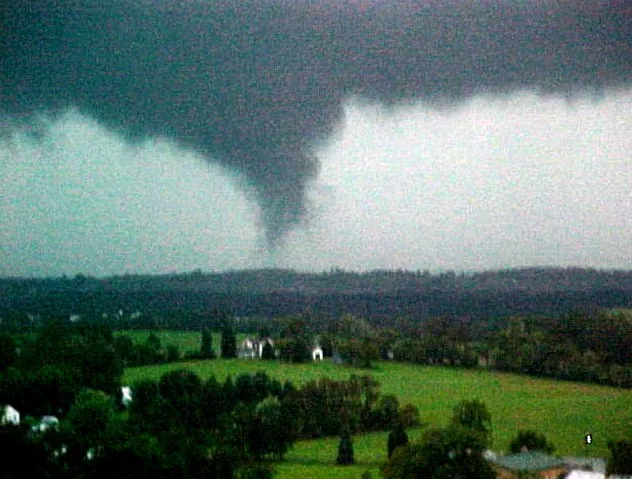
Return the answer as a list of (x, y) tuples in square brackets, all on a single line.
[(253, 348), (126, 396), (248, 349), (317, 353), (489, 455), (46, 423), (10, 415)]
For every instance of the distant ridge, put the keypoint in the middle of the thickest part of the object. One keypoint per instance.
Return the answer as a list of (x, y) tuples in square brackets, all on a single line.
[(376, 295)]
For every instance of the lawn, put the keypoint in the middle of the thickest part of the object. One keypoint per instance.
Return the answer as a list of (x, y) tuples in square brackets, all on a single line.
[(564, 411)]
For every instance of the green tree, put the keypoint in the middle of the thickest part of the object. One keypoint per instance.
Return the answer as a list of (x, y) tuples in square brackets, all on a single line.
[(409, 415), (173, 353), (153, 341), (295, 341), (396, 438), (475, 416), (530, 441), (294, 350), (276, 438), (90, 417), (229, 342), (124, 347), (183, 390), (345, 448), (386, 414), (8, 352), (206, 348), (267, 352), (453, 452), (620, 461)]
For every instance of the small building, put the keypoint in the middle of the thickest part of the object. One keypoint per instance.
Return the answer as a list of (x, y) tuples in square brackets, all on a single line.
[(46, 423), (10, 415), (579, 474), (529, 464), (126, 396), (489, 455), (594, 464), (317, 353), (253, 348)]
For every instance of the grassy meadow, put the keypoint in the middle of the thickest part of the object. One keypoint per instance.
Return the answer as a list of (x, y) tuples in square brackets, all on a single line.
[(565, 412)]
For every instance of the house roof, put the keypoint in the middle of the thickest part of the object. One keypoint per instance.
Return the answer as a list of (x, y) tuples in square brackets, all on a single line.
[(528, 461)]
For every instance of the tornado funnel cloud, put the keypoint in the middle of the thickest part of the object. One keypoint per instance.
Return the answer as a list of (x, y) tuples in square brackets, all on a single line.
[(257, 85)]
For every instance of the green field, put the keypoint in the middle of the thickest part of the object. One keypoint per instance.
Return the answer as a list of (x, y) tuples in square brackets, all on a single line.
[(565, 412)]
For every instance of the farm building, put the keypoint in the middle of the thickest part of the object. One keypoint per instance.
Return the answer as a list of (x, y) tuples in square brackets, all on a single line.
[(10, 415), (46, 423), (317, 353), (126, 396), (531, 463), (253, 348)]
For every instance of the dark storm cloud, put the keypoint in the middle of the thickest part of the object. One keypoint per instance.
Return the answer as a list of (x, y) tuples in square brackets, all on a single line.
[(255, 85)]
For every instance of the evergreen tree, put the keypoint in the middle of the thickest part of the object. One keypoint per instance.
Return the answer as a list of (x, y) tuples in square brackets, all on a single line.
[(397, 437), (345, 448), (173, 353), (8, 351), (229, 342), (268, 351), (206, 349)]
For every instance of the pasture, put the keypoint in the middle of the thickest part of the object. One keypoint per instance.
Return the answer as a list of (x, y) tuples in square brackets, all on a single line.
[(564, 411)]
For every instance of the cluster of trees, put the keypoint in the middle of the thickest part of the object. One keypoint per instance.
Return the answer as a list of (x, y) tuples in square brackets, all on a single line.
[(579, 347), (189, 301), (455, 451), (325, 407), (583, 346), (50, 370), (182, 426)]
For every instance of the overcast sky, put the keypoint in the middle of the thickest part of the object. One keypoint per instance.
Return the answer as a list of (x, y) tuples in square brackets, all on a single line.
[(169, 136), (493, 183)]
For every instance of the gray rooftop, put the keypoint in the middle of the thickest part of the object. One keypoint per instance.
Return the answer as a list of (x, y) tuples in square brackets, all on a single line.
[(528, 461)]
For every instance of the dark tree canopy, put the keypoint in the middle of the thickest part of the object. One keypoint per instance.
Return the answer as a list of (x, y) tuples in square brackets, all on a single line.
[(620, 461), (229, 342), (396, 438), (267, 352), (454, 452), (530, 441), (475, 416), (206, 348)]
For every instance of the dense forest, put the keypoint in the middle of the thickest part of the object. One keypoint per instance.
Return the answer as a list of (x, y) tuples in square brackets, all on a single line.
[(378, 296)]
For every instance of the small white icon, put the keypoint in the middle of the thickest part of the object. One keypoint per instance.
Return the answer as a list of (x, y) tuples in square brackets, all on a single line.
[(588, 438)]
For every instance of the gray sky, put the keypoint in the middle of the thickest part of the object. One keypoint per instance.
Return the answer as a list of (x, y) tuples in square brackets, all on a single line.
[(495, 182), (213, 134)]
